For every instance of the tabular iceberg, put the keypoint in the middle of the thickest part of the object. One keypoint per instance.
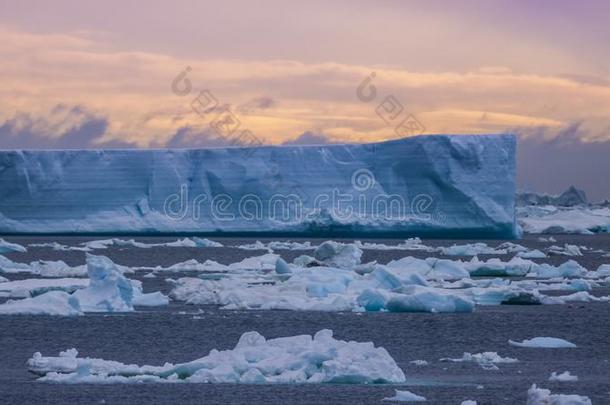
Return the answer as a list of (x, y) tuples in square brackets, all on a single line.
[(441, 185)]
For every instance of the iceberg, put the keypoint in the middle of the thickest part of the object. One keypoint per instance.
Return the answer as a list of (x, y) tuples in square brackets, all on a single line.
[(434, 185), (254, 360)]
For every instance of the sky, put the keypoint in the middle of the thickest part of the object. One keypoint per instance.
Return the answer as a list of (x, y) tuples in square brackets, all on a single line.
[(134, 74)]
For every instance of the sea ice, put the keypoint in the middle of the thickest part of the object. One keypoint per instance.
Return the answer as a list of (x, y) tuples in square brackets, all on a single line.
[(8, 247), (50, 303), (254, 360), (405, 396), (341, 255), (487, 360), (563, 377), (541, 396), (106, 290), (543, 342)]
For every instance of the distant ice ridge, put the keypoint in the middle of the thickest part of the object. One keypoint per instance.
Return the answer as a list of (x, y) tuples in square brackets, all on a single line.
[(417, 185), (569, 213), (106, 290), (105, 243), (254, 360)]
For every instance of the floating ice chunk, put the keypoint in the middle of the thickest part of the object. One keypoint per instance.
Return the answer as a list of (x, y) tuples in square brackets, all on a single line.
[(570, 268), (416, 298), (563, 377), (194, 265), (277, 245), (59, 247), (341, 255), (566, 250), (297, 359), (154, 299), (431, 268), (550, 239), (419, 362), (56, 303), (264, 262), (8, 247), (108, 289), (541, 396), (516, 267), (602, 271), (543, 342), (487, 360), (405, 396), (33, 287), (469, 402), (471, 249), (532, 254), (281, 267), (409, 244), (202, 242)]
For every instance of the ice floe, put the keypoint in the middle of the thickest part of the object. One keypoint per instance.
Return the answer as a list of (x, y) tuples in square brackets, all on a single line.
[(487, 360), (405, 396), (8, 247), (541, 396), (543, 342), (106, 290), (563, 377), (254, 360), (57, 303)]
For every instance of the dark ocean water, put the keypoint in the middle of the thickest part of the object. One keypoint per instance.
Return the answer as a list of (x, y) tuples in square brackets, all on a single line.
[(185, 332)]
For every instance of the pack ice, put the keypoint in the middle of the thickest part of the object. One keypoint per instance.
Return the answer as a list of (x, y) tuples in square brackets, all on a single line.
[(459, 186), (254, 360)]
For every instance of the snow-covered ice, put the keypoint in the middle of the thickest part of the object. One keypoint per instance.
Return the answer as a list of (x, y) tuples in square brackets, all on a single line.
[(543, 342), (405, 396), (254, 360), (542, 396)]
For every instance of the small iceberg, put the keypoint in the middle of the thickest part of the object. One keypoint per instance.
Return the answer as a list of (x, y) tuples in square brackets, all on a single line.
[(254, 360), (543, 342), (405, 396), (541, 396)]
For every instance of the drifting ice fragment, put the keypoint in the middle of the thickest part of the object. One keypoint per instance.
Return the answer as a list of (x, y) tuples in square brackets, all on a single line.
[(405, 396), (563, 377), (543, 342), (296, 359), (8, 247), (541, 396)]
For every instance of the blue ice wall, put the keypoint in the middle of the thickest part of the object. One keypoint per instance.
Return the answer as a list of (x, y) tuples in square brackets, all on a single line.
[(434, 186)]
